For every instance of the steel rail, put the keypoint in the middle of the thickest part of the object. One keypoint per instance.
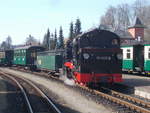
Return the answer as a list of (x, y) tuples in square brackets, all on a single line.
[(132, 99), (22, 90), (117, 100), (43, 95)]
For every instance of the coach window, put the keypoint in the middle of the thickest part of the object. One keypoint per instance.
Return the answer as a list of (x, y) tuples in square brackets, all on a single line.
[(23, 52), (20, 52), (1, 55), (149, 53), (16, 53), (128, 54)]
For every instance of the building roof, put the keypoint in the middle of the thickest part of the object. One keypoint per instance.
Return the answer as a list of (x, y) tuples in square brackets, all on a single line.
[(137, 24), (123, 34), (135, 42)]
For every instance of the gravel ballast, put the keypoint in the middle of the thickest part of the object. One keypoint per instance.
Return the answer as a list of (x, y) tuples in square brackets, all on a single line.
[(66, 96)]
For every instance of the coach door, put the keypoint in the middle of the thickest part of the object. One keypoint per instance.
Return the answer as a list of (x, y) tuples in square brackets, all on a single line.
[(138, 57), (33, 57)]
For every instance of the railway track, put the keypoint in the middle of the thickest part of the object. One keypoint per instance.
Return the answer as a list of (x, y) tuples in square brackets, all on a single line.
[(36, 101), (126, 101), (132, 103)]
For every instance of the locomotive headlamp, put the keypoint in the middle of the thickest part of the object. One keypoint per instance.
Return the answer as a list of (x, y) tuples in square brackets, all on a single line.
[(119, 56), (86, 55)]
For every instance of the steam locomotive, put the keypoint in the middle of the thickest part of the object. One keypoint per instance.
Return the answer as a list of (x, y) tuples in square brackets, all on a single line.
[(94, 57)]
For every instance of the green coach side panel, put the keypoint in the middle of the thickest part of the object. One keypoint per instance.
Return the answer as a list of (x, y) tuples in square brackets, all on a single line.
[(23, 57), (20, 57), (2, 61), (50, 61), (147, 65), (46, 62), (147, 57), (127, 62), (15, 57)]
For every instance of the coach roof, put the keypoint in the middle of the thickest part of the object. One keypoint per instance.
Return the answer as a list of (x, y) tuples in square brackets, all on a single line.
[(27, 47)]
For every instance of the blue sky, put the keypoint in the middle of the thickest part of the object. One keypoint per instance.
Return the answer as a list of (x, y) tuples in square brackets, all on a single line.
[(19, 18)]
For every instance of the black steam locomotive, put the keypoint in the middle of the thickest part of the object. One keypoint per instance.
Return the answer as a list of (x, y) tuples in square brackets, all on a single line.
[(94, 57)]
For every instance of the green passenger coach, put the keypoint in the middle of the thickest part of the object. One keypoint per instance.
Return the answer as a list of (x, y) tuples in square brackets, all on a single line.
[(136, 57), (20, 56), (26, 56), (50, 60), (133, 57), (6, 57)]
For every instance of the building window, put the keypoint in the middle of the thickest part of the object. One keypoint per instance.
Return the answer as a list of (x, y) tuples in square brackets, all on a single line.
[(2, 55)]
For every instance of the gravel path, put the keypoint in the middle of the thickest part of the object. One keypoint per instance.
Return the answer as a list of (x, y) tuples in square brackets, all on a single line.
[(70, 98)]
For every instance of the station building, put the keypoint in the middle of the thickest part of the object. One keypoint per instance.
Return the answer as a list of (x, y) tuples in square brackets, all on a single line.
[(135, 32)]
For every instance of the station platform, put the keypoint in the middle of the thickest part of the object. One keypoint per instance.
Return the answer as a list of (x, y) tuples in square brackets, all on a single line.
[(139, 84)]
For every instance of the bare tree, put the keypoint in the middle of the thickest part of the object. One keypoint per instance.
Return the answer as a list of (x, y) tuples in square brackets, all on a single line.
[(7, 44), (123, 16), (109, 18), (117, 17), (139, 8), (31, 40), (3, 45)]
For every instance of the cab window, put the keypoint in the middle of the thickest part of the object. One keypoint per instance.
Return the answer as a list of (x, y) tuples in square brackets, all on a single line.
[(114, 42), (128, 54)]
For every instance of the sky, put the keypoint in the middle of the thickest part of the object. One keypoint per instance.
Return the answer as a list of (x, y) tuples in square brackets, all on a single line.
[(19, 18)]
